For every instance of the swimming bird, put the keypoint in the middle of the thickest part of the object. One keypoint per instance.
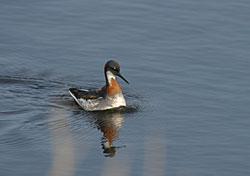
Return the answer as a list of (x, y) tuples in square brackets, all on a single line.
[(108, 97)]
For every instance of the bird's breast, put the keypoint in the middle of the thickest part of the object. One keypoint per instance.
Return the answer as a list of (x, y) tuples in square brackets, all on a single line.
[(113, 88)]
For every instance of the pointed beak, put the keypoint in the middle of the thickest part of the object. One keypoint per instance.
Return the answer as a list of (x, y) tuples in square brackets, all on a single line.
[(122, 77)]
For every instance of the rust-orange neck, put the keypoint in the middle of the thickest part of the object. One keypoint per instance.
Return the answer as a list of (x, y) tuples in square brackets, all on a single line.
[(113, 87)]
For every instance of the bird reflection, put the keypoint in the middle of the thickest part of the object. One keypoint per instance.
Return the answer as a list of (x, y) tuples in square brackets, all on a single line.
[(109, 123)]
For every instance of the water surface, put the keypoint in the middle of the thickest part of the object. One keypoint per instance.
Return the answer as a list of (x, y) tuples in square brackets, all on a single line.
[(187, 62)]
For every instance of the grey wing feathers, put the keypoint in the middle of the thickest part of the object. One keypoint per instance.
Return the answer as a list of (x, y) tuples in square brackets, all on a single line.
[(87, 94)]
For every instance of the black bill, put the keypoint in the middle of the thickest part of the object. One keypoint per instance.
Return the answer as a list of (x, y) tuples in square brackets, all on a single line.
[(122, 78)]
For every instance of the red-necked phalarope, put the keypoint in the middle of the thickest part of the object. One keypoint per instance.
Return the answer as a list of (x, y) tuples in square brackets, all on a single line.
[(110, 96)]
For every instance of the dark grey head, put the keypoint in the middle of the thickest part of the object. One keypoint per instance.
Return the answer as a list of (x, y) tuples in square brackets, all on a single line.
[(114, 68)]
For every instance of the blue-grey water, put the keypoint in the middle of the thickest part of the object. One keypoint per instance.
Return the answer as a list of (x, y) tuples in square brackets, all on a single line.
[(187, 62)]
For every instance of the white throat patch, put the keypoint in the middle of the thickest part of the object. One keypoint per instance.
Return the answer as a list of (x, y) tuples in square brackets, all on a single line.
[(110, 76)]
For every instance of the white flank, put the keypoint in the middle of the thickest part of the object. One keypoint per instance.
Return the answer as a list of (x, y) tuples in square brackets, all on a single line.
[(74, 97)]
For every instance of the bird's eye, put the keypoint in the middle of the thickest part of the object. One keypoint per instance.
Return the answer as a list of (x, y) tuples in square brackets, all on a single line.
[(115, 69)]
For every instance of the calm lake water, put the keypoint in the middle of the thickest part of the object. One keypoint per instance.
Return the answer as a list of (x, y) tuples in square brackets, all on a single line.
[(187, 62)]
